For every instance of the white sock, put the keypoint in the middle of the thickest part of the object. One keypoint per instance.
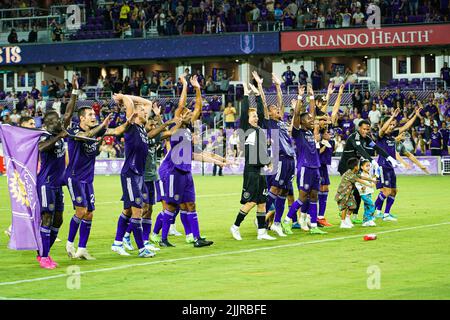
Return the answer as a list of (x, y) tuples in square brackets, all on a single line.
[(287, 220), (117, 243), (126, 235), (313, 225), (320, 217)]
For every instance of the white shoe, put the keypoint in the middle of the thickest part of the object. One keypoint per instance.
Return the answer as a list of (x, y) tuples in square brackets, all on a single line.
[(263, 235), (8, 232), (372, 223), (304, 224), (82, 253), (388, 217), (70, 249), (349, 222), (57, 240), (276, 227), (120, 250), (127, 243), (235, 232), (345, 225), (173, 231), (150, 247), (366, 224)]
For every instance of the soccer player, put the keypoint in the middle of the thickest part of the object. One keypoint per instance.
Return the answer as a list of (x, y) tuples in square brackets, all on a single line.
[(254, 189), (132, 177), (50, 178), (285, 168), (176, 167), (308, 163), (388, 179), (83, 149)]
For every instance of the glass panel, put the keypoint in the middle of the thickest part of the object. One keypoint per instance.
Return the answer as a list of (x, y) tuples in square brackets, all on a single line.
[(415, 64), (430, 64)]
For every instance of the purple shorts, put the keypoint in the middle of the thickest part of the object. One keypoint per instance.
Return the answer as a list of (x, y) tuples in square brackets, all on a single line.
[(152, 192), (284, 175), (82, 194), (51, 198), (132, 187), (388, 179), (324, 176), (178, 187), (308, 179)]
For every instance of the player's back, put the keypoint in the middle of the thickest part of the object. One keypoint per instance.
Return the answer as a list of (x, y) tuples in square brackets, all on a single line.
[(136, 149)]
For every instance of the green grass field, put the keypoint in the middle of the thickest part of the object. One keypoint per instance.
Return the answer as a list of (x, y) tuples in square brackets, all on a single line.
[(412, 254)]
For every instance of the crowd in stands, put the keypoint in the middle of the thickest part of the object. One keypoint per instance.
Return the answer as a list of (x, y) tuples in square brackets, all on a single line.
[(125, 19)]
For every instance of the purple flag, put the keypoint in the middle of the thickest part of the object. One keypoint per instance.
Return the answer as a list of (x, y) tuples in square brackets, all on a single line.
[(20, 149)]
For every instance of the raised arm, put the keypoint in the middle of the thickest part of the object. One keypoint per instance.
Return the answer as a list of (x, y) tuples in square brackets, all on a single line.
[(337, 105), (50, 143), (183, 96), (312, 102), (410, 122), (388, 122), (261, 102), (120, 130), (198, 99), (277, 83), (138, 100), (94, 131), (127, 102), (327, 97), (72, 102), (299, 108), (168, 133), (243, 122)]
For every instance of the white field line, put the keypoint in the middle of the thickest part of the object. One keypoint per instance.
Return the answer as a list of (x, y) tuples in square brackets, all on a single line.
[(69, 202), (297, 244)]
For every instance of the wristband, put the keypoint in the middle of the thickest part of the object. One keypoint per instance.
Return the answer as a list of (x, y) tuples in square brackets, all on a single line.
[(311, 98), (299, 97), (75, 92)]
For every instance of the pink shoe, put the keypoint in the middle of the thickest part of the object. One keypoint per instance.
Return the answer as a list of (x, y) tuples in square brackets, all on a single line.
[(38, 258), (46, 263), (53, 261)]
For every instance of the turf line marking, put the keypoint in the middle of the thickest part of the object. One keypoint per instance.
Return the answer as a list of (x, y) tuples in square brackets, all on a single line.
[(297, 244), (69, 205)]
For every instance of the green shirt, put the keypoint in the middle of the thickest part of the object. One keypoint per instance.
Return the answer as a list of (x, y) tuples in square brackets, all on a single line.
[(151, 167)]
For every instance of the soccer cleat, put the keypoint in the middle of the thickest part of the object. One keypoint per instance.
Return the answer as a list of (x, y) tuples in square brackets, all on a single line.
[(344, 225), (379, 215), (150, 247), (173, 231), (324, 223), (235, 232), (165, 243), (190, 238), (46, 263), (349, 222), (276, 227), (256, 222), (201, 242), (70, 249), (389, 217), (296, 225), (127, 243), (316, 230), (155, 238), (357, 221), (393, 215), (57, 240), (263, 235), (287, 228), (53, 261), (120, 250), (146, 253), (82, 253), (38, 258), (8, 231), (304, 225)]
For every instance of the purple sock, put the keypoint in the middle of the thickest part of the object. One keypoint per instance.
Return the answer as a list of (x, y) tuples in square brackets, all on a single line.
[(294, 208), (158, 223), (294, 218), (122, 225), (53, 235), (172, 221), (85, 230), (313, 211), (129, 228), (322, 203), (305, 207), (379, 202), (167, 218), (270, 200), (280, 203), (389, 202), (45, 235), (73, 229), (137, 231), (185, 221), (146, 227), (193, 221)]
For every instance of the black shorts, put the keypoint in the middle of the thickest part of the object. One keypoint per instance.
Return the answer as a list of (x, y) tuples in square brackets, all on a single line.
[(254, 188)]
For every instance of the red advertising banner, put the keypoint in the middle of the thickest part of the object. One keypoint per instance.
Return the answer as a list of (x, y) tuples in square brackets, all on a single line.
[(386, 37)]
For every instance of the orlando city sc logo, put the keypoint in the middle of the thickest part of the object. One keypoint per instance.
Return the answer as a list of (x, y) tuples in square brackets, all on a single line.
[(247, 43), (18, 189)]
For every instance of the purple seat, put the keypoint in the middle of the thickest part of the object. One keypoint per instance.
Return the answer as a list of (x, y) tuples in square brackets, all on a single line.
[(412, 19), (403, 82), (239, 91), (393, 83)]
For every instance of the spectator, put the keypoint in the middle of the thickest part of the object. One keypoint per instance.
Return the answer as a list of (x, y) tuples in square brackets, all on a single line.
[(33, 35), (57, 33), (288, 77), (82, 95), (12, 37), (14, 117), (445, 74), (302, 76), (338, 79), (357, 100), (346, 18), (225, 81), (229, 115), (300, 20), (220, 25), (374, 115), (124, 11), (154, 87), (316, 78), (358, 17)]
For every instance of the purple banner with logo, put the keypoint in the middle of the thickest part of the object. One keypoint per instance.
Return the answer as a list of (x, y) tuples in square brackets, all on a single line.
[(20, 149), (107, 166)]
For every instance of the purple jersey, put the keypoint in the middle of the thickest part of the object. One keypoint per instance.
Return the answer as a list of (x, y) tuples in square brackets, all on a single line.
[(176, 158), (82, 155), (285, 141), (215, 104), (136, 149), (435, 140), (307, 155), (445, 133), (325, 157), (420, 129), (387, 142), (348, 125), (53, 163)]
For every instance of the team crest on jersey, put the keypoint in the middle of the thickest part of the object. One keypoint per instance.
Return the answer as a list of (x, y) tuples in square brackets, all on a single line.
[(51, 207), (138, 200), (306, 186), (177, 197), (386, 183), (144, 195), (281, 181), (246, 194), (79, 199)]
